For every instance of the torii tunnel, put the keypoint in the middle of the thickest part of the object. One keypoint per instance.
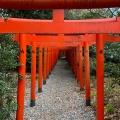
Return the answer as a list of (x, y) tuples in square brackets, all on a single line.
[(58, 34)]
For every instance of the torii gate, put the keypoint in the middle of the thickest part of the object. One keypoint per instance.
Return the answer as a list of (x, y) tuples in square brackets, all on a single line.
[(60, 26), (40, 41)]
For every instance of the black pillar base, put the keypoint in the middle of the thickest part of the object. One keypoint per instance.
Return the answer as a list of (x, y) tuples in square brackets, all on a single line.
[(81, 89), (44, 82), (87, 102), (39, 90), (50, 73), (48, 77), (32, 103)]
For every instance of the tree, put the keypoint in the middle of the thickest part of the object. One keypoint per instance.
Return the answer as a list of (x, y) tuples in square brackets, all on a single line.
[(8, 80)]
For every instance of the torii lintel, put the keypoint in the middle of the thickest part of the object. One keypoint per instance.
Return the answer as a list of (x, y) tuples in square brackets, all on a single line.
[(58, 4)]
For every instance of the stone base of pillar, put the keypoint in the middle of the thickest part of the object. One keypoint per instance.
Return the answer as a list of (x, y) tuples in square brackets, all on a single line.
[(87, 102), (39, 90), (44, 82), (32, 103), (81, 89)]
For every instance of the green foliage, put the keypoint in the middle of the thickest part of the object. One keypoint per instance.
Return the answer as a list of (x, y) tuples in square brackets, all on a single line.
[(8, 53), (8, 80), (113, 70), (7, 102), (28, 63), (109, 108), (87, 14), (93, 60), (112, 61), (112, 52), (78, 14), (118, 13), (29, 14)]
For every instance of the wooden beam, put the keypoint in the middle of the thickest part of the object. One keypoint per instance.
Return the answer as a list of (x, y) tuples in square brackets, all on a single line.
[(109, 25)]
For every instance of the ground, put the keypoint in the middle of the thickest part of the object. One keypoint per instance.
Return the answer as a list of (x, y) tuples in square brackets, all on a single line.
[(60, 99)]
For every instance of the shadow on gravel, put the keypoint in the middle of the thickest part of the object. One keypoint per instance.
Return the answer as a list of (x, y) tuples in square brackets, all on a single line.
[(66, 66)]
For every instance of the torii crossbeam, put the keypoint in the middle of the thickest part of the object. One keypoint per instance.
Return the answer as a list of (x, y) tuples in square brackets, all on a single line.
[(58, 4), (14, 25)]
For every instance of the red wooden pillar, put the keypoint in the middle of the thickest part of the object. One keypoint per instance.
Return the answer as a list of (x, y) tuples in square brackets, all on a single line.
[(50, 62), (72, 55), (55, 57), (87, 72), (45, 65), (58, 16), (52, 58), (77, 64), (100, 76), (72, 58), (33, 75), (74, 61), (81, 68), (21, 78), (69, 58), (40, 70)]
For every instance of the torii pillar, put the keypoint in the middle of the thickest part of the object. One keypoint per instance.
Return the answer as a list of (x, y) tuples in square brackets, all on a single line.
[(21, 77), (40, 70), (80, 52), (33, 75), (87, 72), (45, 65), (100, 76)]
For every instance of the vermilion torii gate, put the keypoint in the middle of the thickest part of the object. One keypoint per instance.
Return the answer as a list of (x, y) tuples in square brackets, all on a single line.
[(60, 32), (35, 43)]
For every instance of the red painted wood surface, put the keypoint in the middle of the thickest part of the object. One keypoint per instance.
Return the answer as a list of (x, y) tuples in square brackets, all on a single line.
[(100, 76), (87, 72), (58, 4), (14, 25), (33, 73), (40, 70), (21, 78), (80, 52)]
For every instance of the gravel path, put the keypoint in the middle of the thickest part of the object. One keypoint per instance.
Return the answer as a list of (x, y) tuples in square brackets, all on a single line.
[(60, 99)]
